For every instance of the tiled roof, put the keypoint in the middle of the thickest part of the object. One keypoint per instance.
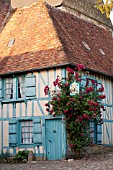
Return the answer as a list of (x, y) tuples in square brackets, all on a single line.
[(4, 6), (36, 43), (44, 36), (74, 33)]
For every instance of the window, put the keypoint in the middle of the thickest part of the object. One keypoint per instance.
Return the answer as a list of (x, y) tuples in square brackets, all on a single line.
[(18, 87), (26, 132), (8, 88), (91, 83), (21, 87), (88, 82)]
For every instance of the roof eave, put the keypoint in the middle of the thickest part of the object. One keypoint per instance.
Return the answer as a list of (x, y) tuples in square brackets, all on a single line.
[(33, 70), (89, 69), (50, 67)]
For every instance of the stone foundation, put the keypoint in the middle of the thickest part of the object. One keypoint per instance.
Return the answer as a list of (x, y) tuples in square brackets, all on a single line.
[(13, 160)]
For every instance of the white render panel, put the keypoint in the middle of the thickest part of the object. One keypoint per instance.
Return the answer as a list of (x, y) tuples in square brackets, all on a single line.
[(5, 133)]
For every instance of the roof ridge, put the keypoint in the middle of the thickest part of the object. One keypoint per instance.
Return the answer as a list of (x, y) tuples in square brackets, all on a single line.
[(75, 16), (48, 5), (5, 19)]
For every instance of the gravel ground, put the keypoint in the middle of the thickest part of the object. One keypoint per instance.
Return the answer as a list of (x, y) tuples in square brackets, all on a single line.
[(93, 163), (101, 159)]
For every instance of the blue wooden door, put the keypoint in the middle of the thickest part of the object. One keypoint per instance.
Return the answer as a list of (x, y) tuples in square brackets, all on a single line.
[(54, 139)]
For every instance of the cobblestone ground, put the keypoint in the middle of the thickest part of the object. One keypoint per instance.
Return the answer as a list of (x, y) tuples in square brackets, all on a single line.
[(94, 162)]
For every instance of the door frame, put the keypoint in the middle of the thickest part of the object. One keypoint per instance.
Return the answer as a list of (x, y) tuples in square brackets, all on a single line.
[(63, 133)]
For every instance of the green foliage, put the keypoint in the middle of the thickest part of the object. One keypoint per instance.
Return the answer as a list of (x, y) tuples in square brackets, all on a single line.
[(22, 155), (78, 109), (104, 8)]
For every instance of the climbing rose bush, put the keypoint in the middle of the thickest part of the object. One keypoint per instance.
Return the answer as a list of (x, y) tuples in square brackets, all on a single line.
[(77, 109)]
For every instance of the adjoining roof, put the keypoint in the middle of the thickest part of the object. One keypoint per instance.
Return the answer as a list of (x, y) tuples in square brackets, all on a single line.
[(87, 7), (4, 7), (41, 36)]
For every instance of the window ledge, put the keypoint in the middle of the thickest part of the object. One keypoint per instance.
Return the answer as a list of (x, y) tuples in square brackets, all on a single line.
[(28, 145), (17, 100)]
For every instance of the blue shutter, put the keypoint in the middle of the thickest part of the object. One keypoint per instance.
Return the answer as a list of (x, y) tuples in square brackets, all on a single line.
[(99, 133), (13, 133), (37, 131), (1, 96), (98, 87), (99, 84), (99, 126), (30, 86), (83, 83), (92, 125)]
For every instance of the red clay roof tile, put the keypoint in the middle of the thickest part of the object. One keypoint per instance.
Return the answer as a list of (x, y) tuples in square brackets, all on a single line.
[(45, 37), (73, 31), (36, 43)]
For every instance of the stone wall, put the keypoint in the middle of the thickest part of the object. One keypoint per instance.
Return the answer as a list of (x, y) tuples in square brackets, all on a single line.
[(22, 3), (86, 7)]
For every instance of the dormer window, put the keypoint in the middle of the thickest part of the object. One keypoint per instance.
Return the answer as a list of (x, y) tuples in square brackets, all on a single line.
[(86, 45), (11, 42), (101, 51)]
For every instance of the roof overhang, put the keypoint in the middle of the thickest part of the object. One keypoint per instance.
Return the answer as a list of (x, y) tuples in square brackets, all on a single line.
[(51, 67)]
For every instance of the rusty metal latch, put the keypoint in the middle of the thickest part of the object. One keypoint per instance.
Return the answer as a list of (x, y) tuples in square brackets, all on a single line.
[(50, 141)]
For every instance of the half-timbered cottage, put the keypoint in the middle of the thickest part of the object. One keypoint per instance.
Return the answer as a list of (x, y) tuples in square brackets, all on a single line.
[(36, 45)]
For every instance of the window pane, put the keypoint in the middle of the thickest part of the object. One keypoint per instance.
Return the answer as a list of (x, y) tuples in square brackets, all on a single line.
[(8, 88), (21, 87), (26, 132)]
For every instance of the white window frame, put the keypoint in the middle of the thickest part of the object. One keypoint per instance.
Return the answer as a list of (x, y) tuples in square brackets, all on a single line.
[(8, 88), (26, 132)]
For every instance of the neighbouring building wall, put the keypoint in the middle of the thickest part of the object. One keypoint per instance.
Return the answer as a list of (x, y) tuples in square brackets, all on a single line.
[(4, 9), (87, 8), (22, 3)]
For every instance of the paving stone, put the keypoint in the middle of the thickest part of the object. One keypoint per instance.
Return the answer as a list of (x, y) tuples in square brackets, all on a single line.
[(30, 156)]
